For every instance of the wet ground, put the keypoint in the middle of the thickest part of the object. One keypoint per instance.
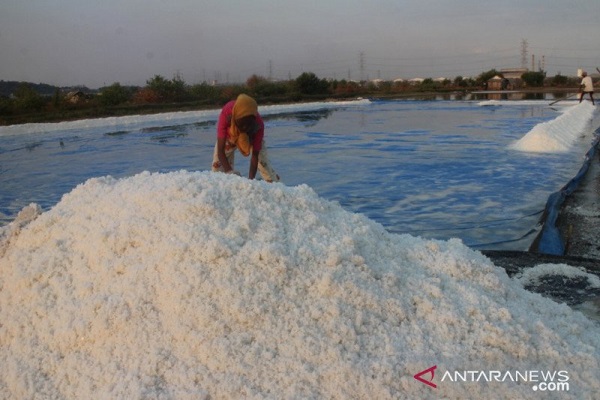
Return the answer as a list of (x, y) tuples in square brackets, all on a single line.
[(579, 219)]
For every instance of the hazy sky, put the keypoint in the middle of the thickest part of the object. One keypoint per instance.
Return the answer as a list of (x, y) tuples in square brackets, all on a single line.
[(99, 42)]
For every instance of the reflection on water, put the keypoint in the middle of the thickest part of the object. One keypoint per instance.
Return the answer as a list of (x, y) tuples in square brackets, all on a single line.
[(307, 118), (164, 138), (117, 133)]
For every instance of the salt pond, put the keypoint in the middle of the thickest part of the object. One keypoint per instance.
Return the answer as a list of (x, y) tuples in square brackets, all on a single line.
[(437, 169)]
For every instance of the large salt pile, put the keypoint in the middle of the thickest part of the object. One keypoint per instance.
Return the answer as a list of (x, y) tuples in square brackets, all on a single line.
[(558, 135), (199, 285)]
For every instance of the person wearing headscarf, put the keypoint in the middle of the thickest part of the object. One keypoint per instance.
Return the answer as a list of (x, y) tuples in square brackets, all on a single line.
[(241, 127), (587, 86)]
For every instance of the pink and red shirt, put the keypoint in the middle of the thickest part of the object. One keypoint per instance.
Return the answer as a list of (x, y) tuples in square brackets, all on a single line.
[(225, 122)]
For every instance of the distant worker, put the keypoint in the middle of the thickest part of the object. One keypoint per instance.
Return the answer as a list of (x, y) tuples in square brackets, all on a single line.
[(587, 86), (240, 126)]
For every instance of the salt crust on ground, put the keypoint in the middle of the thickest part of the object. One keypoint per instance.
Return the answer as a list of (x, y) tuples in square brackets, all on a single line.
[(535, 275), (199, 285)]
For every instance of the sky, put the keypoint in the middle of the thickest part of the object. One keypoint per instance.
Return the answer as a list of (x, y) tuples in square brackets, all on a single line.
[(97, 43)]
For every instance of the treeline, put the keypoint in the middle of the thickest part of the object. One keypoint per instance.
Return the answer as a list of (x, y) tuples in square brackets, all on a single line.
[(37, 103), (7, 88)]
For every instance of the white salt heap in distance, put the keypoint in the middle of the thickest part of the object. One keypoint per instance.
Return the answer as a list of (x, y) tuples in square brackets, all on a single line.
[(199, 285)]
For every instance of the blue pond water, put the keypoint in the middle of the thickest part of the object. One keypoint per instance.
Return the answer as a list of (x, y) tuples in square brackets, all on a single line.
[(436, 169)]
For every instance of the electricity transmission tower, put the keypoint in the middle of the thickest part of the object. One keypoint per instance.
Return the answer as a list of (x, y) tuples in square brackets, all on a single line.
[(362, 65), (524, 53)]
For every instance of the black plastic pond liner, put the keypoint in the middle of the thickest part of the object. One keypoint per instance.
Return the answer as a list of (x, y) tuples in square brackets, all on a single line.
[(549, 240)]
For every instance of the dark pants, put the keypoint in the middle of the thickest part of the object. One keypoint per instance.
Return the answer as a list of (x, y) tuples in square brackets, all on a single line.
[(591, 96)]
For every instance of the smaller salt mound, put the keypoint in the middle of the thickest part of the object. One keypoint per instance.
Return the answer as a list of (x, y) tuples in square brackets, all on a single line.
[(559, 134), (200, 285), (534, 276)]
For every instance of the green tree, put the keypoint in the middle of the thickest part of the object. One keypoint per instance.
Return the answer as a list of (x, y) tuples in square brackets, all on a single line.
[(385, 87), (459, 81), (113, 95), (178, 88), (205, 92), (428, 84), (262, 87), (309, 83), (486, 76), (160, 86), (27, 99), (56, 99), (534, 79), (559, 80), (168, 90), (6, 106)]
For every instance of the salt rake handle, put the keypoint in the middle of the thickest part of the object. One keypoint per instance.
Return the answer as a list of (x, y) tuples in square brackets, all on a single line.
[(554, 102)]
